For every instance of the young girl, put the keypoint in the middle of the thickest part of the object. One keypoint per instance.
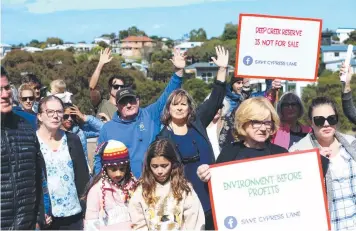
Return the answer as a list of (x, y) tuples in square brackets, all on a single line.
[(164, 200), (108, 194)]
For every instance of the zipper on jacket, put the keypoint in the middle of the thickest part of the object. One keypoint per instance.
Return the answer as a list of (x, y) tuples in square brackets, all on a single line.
[(12, 177)]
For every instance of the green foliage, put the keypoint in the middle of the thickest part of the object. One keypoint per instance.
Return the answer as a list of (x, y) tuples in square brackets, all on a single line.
[(103, 44), (131, 31), (197, 35), (161, 71), (54, 40), (335, 38), (327, 85), (207, 50), (197, 88), (160, 56), (111, 36), (169, 43), (230, 32), (351, 39)]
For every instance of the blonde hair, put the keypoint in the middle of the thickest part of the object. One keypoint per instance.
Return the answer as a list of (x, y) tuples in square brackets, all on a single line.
[(58, 86), (25, 87), (258, 108)]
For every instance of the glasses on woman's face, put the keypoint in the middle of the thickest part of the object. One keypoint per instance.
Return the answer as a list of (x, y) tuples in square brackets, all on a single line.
[(50, 113), (320, 120), (256, 124), (29, 98)]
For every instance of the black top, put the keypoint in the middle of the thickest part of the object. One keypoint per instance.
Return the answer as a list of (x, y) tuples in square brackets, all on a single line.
[(238, 151), (295, 137)]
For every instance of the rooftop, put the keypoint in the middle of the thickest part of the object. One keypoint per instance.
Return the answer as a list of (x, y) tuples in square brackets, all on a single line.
[(204, 65), (137, 39), (335, 48)]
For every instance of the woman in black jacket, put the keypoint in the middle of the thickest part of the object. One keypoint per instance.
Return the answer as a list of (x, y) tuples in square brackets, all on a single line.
[(66, 169), (255, 122), (186, 127)]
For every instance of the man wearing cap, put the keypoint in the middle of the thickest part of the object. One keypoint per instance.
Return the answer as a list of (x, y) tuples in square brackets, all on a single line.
[(137, 127)]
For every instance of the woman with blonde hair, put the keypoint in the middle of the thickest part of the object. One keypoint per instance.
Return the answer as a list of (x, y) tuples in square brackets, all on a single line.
[(27, 97), (255, 122), (59, 89)]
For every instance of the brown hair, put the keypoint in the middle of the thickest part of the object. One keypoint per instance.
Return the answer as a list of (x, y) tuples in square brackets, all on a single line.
[(175, 97), (179, 184), (44, 101)]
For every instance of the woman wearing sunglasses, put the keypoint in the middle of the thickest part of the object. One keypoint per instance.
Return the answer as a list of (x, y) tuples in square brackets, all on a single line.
[(338, 159), (290, 109), (85, 126), (26, 98), (186, 127)]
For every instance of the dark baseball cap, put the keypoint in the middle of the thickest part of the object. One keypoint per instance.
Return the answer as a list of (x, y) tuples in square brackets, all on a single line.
[(125, 92)]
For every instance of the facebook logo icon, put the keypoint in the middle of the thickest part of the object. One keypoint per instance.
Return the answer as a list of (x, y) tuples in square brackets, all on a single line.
[(230, 222), (248, 60)]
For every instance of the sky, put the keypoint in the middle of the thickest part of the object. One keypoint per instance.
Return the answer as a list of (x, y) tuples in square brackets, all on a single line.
[(83, 20)]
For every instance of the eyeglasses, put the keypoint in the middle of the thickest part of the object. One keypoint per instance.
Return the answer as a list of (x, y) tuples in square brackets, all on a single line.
[(117, 86), (320, 120), (50, 113), (30, 98), (190, 159), (126, 100), (256, 124), (290, 104), (6, 88), (66, 117)]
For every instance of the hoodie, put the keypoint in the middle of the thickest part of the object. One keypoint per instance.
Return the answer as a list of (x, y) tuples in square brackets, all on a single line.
[(139, 133)]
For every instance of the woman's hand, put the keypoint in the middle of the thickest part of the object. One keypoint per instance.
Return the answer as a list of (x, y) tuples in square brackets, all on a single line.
[(178, 59), (203, 172), (105, 56), (75, 111), (222, 57)]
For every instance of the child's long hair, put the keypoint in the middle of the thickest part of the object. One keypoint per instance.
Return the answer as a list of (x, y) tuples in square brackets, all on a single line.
[(179, 184)]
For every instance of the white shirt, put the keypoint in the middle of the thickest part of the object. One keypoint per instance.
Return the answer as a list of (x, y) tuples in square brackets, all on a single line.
[(213, 137)]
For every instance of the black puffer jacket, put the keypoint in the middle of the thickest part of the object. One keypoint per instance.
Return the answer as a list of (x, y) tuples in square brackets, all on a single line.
[(20, 174)]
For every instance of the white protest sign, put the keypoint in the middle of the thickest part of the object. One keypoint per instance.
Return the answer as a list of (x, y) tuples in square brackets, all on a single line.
[(276, 193), (278, 47)]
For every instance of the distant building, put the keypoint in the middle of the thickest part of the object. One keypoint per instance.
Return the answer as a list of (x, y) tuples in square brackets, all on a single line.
[(343, 33), (333, 56), (4, 48), (56, 47), (83, 47), (205, 71), (32, 49), (183, 47), (102, 39), (132, 46)]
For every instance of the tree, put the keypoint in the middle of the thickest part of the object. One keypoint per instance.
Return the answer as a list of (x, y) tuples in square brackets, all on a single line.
[(103, 44), (160, 56), (230, 31), (351, 39), (335, 38), (111, 36), (131, 31), (161, 71), (34, 43), (169, 43), (197, 35), (155, 37), (54, 40), (197, 88)]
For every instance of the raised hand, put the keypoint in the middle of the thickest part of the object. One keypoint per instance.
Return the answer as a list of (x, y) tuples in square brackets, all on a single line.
[(222, 57), (105, 56), (178, 59), (276, 84), (75, 111)]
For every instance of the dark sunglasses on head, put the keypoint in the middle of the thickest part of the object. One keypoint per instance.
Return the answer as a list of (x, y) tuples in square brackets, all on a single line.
[(66, 117), (117, 86), (320, 120), (31, 98), (290, 104)]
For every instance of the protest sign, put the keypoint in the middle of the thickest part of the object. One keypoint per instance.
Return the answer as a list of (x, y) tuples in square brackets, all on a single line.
[(278, 47), (278, 192)]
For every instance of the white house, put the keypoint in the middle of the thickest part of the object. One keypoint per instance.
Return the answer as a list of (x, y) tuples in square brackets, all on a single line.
[(205, 71), (57, 47), (83, 46), (187, 45), (31, 49), (103, 39), (4, 48), (343, 33), (333, 56)]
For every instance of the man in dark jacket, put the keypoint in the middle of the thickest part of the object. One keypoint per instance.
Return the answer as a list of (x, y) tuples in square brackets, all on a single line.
[(20, 167)]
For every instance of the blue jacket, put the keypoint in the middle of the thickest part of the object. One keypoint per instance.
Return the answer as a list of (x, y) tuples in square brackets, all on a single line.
[(236, 99), (138, 133), (91, 128), (31, 118)]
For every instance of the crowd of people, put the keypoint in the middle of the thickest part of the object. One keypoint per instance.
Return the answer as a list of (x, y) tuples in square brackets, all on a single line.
[(151, 164)]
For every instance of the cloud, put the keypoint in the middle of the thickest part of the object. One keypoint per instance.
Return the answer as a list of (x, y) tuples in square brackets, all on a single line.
[(157, 26), (49, 6)]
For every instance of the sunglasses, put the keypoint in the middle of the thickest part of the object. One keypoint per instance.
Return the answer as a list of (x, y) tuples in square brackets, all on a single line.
[(117, 86), (320, 120), (30, 98), (66, 117)]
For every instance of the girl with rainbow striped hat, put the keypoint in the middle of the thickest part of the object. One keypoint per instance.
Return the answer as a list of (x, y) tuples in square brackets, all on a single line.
[(110, 191)]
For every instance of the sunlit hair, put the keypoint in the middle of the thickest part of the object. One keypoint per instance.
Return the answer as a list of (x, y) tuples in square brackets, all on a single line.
[(258, 108), (58, 86), (290, 97), (179, 184), (174, 98), (25, 87), (45, 101)]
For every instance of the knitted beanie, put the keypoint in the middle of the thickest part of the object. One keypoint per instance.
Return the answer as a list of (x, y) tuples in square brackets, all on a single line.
[(113, 152)]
